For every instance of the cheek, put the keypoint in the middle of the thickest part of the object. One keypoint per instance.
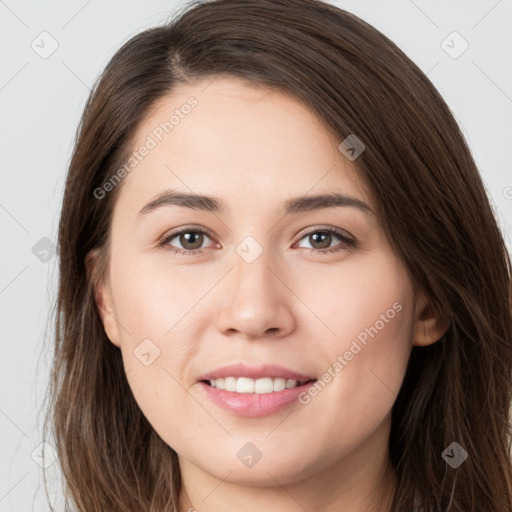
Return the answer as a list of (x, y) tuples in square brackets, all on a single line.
[(367, 297), (367, 317), (155, 301), (151, 310), (370, 372)]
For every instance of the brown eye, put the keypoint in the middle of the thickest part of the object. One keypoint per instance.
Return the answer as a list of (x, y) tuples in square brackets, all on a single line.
[(320, 239), (191, 239)]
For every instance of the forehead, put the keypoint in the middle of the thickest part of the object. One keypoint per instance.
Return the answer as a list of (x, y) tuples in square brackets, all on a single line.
[(230, 138)]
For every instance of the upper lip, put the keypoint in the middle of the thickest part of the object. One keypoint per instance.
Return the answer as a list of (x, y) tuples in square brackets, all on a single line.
[(255, 372)]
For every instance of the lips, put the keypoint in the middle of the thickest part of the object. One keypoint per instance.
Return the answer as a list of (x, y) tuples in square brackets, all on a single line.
[(269, 395), (244, 401)]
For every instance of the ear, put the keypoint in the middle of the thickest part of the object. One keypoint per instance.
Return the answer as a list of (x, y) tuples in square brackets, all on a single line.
[(102, 295), (429, 325)]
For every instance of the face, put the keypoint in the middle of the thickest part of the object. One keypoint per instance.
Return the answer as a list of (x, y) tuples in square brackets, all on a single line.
[(246, 281)]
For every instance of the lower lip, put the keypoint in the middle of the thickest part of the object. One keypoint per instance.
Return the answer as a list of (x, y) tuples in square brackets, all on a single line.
[(254, 405)]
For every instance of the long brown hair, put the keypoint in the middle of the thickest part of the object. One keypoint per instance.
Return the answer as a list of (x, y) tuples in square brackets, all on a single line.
[(433, 207)]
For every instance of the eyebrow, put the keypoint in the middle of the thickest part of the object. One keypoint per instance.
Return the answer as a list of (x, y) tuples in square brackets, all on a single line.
[(214, 204)]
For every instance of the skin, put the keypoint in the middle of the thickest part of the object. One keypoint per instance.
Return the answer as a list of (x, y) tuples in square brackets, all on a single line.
[(254, 148)]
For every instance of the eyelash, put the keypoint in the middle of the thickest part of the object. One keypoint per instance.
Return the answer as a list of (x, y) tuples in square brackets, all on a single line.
[(347, 243)]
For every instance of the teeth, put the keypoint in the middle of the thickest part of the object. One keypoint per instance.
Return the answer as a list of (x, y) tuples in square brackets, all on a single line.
[(290, 383), (259, 386)]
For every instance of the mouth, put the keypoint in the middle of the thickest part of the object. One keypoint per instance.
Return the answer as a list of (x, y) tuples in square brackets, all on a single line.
[(253, 391)]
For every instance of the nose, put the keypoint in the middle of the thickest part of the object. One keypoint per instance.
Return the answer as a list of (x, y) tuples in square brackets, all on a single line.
[(257, 302)]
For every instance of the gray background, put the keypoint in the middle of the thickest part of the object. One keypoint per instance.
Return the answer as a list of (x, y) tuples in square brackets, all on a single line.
[(41, 99)]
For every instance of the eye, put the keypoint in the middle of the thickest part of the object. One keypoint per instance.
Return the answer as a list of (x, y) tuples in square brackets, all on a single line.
[(190, 239), (322, 237)]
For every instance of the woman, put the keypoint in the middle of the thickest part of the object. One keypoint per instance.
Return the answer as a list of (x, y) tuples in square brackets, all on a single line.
[(254, 369)]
